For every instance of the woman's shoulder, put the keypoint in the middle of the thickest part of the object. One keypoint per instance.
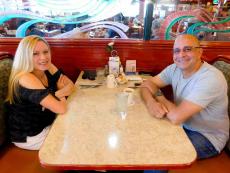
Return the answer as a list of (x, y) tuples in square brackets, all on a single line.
[(30, 81)]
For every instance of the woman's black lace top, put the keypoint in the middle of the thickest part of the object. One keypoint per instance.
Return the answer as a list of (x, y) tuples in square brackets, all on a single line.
[(26, 117)]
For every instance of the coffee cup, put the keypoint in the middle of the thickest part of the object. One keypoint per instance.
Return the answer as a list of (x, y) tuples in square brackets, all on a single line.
[(130, 93), (111, 81)]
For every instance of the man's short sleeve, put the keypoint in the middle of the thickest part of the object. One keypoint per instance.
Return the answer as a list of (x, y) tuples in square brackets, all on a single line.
[(167, 74), (209, 89)]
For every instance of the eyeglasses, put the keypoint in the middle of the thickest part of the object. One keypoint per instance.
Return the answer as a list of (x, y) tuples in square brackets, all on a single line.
[(186, 49)]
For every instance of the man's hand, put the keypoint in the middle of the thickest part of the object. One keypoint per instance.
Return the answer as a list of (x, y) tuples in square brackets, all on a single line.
[(148, 89), (156, 109)]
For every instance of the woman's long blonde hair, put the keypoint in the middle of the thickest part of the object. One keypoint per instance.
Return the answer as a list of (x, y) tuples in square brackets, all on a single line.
[(23, 63)]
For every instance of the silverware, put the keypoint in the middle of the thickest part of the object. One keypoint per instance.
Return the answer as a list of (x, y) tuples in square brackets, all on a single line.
[(89, 86), (136, 87), (133, 87)]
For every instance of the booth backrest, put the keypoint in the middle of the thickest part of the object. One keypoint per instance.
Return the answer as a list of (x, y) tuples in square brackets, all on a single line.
[(223, 64), (74, 55), (70, 65), (5, 68)]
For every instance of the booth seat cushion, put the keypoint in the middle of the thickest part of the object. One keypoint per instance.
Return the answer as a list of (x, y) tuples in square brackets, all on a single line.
[(225, 68), (5, 68)]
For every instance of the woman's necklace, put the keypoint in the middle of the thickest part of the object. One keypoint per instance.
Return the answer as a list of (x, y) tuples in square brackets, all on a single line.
[(44, 80)]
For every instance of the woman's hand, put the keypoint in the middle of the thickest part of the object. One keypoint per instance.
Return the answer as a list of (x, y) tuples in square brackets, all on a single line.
[(62, 81), (65, 86)]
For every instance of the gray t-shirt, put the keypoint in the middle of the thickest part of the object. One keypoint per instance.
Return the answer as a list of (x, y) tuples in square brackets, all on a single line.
[(207, 88)]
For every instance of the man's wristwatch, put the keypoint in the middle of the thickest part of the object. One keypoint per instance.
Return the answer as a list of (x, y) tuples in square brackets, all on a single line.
[(158, 93)]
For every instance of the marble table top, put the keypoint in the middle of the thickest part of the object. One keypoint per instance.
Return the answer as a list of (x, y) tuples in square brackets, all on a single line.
[(91, 135)]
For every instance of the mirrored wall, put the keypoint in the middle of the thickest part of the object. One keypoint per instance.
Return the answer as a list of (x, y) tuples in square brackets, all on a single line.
[(121, 19)]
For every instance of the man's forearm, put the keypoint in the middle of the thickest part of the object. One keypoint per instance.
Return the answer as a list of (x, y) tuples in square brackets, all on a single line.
[(151, 92), (146, 95), (155, 108), (167, 103), (169, 106), (150, 86)]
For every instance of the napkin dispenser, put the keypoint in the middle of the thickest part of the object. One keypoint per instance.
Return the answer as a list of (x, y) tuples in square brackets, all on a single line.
[(114, 65)]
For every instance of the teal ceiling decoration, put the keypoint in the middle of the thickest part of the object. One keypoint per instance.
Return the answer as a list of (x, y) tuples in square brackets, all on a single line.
[(204, 22), (195, 27), (95, 9), (57, 11), (119, 28), (21, 31), (167, 33)]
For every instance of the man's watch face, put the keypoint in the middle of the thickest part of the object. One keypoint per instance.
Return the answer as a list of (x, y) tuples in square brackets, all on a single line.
[(158, 93)]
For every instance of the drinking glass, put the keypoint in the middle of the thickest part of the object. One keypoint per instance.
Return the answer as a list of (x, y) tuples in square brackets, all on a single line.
[(122, 104)]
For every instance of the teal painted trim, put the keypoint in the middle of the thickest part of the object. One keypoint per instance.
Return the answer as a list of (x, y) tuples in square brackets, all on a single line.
[(191, 29), (167, 33), (211, 30)]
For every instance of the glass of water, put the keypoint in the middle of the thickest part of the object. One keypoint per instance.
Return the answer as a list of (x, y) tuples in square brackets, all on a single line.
[(122, 104)]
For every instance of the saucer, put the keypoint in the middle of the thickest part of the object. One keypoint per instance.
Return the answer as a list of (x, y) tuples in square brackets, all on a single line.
[(131, 104)]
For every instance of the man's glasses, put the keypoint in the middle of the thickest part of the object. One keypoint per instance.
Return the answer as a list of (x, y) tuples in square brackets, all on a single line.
[(186, 49)]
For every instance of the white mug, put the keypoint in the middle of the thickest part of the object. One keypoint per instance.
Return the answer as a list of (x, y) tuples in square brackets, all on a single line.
[(111, 81), (130, 93)]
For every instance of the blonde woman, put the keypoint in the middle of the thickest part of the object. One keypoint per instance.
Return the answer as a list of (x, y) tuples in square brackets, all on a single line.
[(36, 93)]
